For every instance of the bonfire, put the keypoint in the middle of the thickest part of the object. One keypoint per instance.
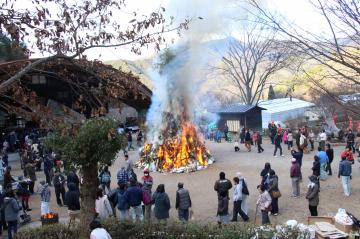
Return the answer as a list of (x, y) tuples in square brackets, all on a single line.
[(183, 152)]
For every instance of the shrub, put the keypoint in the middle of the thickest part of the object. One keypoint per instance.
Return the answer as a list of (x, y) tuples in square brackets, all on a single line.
[(170, 230)]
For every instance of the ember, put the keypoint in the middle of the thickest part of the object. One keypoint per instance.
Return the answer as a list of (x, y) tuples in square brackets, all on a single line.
[(49, 218), (180, 153), (49, 215)]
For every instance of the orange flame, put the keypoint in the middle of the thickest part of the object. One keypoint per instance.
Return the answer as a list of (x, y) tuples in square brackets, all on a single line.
[(49, 215), (181, 151)]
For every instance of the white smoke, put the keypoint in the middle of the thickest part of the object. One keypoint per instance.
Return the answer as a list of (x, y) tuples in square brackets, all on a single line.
[(177, 88)]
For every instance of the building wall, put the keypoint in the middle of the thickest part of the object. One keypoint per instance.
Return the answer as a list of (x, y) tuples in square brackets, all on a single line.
[(251, 119), (282, 116)]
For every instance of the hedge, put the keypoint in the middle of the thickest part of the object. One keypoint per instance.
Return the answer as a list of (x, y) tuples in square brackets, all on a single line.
[(170, 230)]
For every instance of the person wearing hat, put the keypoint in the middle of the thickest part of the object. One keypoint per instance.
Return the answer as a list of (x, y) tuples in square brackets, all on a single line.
[(345, 174), (183, 202), (312, 195), (45, 195), (295, 177)]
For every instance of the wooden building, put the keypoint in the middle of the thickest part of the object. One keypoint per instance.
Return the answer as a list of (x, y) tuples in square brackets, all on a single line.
[(237, 116), (63, 90)]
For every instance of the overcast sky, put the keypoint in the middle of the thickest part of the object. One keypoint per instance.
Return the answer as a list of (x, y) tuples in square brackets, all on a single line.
[(299, 12)]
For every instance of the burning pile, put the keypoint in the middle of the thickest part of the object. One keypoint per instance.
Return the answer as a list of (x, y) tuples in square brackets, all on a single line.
[(183, 152)]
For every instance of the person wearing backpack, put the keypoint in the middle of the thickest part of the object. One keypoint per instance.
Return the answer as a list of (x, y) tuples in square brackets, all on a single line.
[(121, 202), (237, 198), (303, 142), (183, 202), (105, 179), (245, 193)]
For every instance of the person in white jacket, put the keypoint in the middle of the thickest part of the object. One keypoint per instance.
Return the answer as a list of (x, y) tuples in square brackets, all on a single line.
[(244, 201), (102, 205), (237, 198)]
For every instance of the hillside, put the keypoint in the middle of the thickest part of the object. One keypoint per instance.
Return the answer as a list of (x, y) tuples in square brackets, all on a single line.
[(282, 81), (138, 68)]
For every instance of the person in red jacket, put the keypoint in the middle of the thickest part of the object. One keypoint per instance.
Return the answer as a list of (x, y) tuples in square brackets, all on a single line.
[(349, 155), (295, 177)]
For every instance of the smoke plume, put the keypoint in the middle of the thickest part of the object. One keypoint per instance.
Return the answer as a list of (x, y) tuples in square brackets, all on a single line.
[(176, 95)]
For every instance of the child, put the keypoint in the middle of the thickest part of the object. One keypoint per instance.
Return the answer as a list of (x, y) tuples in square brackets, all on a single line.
[(223, 209), (236, 145), (45, 195)]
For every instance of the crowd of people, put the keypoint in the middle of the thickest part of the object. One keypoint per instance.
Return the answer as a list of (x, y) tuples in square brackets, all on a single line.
[(135, 199)]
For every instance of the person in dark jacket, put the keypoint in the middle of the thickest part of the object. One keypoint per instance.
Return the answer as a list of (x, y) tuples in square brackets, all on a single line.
[(183, 202), (277, 142), (59, 185), (350, 140), (8, 179), (265, 174), (330, 153), (312, 195), (222, 185), (162, 203), (48, 169), (73, 178), (134, 198), (259, 143), (223, 208), (295, 177), (72, 200), (31, 174), (11, 208), (345, 174), (274, 187), (316, 166), (248, 140), (119, 199), (298, 155)]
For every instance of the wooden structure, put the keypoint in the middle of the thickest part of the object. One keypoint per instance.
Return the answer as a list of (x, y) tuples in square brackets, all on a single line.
[(236, 116), (68, 90)]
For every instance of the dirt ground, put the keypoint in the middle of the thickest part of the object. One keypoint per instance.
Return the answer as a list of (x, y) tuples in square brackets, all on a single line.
[(200, 184)]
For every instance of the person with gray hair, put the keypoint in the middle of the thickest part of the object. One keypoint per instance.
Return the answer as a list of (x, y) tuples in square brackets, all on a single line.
[(183, 202)]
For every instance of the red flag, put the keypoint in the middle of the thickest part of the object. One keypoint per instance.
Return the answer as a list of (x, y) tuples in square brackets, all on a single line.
[(334, 119)]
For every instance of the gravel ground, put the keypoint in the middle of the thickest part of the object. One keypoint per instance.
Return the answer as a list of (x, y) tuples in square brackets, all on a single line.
[(200, 184)]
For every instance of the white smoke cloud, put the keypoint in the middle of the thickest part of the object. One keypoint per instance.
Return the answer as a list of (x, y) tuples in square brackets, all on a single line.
[(177, 88)]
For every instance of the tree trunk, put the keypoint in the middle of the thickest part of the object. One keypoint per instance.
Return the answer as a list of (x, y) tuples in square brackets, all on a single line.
[(88, 194)]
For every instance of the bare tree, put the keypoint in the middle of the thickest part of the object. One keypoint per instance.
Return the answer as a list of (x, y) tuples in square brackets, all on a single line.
[(337, 51), (251, 61), (68, 29)]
